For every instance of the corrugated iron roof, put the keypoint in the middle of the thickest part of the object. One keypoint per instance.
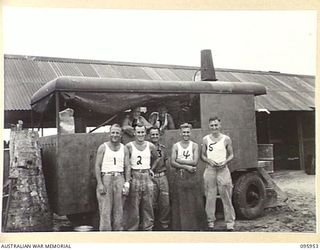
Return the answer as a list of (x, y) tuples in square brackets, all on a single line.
[(24, 75)]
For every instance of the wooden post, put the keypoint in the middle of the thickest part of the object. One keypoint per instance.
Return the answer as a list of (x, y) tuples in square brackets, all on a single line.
[(300, 141), (27, 207)]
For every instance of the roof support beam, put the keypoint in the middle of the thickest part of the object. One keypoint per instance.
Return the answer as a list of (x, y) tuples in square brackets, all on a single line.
[(300, 141)]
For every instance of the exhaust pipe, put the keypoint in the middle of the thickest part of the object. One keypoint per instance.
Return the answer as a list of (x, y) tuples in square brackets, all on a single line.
[(207, 70)]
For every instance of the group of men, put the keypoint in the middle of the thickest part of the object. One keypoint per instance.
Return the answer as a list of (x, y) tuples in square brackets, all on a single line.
[(132, 186)]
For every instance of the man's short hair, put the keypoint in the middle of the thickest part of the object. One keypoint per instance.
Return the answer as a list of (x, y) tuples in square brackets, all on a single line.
[(153, 128), (116, 125), (139, 125), (185, 125), (214, 118)]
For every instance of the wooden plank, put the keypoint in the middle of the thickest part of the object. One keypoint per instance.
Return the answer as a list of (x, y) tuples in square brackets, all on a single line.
[(271, 182)]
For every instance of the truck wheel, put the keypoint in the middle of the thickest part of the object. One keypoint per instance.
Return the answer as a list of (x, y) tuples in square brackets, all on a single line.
[(249, 195)]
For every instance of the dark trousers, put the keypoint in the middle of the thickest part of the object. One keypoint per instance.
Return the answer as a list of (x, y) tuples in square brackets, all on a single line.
[(138, 207), (161, 201), (188, 212)]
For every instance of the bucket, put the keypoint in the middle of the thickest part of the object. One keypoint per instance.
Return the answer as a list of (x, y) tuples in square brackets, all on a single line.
[(83, 228)]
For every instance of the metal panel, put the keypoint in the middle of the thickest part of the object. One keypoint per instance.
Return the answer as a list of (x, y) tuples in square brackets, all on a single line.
[(75, 177), (68, 69), (129, 72), (48, 146), (184, 75), (48, 73), (294, 100), (29, 70), (106, 71), (12, 75), (167, 75), (152, 73), (13, 99), (225, 76), (86, 70), (238, 120), (295, 83)]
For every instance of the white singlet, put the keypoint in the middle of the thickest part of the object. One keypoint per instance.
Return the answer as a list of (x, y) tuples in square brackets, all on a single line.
[(185, 153), (113, 161), (140, 159), (216, 151)]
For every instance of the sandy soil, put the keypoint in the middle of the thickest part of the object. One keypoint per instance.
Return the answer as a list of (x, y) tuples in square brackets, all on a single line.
[(298, 214)]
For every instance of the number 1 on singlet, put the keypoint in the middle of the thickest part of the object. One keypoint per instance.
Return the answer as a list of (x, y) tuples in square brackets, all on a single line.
[(114, 161)]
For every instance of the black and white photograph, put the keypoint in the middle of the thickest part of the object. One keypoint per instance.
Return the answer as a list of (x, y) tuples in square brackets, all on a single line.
[(193, 121)]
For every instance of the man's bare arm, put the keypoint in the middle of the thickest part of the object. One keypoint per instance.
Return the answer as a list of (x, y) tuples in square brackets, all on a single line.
[(98, 163), (194, 161), (228, 145), (154, 155), (174, 163), (126, 127), (127, 167), (229, 149)]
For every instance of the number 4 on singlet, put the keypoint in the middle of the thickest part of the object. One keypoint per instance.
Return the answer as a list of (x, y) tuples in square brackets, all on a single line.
[(186, 153)]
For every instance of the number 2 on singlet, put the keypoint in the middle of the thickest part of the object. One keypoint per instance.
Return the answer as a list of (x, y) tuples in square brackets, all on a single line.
[(139, 162)]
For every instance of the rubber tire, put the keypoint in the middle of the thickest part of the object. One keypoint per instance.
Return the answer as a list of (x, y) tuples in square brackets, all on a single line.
[(244, 184)]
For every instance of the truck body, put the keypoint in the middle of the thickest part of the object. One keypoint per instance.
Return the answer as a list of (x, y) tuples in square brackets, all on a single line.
[(68, 159)]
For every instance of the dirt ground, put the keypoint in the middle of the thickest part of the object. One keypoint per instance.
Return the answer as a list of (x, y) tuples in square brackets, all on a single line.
[(297, 214)]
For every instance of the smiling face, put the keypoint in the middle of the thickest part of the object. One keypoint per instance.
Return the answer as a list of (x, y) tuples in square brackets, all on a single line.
[(185, 133), (215, 126), (115, 134), (154, 135), (140, 133)]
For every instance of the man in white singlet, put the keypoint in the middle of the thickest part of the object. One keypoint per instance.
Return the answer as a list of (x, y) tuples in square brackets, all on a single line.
[(186, 200), (217, 152), (139, 205), (112, 174)]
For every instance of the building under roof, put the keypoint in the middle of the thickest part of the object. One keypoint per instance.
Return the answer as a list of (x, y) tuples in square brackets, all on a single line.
[(288, 120)]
